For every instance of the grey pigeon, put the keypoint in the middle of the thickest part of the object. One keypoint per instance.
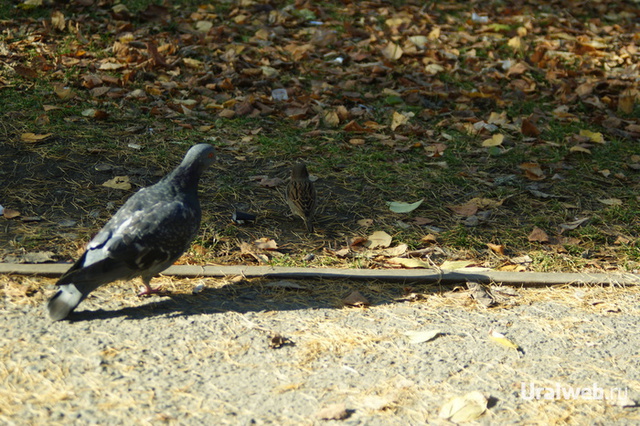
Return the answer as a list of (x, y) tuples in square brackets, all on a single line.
[(301, 195), (149, 232)]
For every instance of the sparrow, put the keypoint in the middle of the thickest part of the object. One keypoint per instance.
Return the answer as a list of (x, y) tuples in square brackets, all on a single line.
[(301, 195)]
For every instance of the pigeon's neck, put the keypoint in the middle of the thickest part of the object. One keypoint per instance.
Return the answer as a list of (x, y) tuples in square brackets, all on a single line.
[(185, 178)]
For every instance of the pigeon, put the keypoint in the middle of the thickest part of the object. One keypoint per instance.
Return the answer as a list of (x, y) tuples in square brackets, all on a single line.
[(146, 236), (301, 195)]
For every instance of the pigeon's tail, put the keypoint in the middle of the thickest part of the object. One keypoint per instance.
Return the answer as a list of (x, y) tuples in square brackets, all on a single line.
[(76, 284), (64, 301)]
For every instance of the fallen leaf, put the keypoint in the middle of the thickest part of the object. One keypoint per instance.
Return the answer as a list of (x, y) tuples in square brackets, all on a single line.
[(464, 408), (401, 207), (468, 209), (573, 225), (365, 222), (595, 137), (57, 20), (495, 140), (63, 92), (496, 248), (417, 337), (118, 182), (378, 239), (32, 137), (529, 129), (266, 244), (501, 339), (481, 294), (333, 412), (409, 262), (579, 148), (429, 239), (538, 235), (532, 171), (451, 265), (396, 251), (611, 201), (399, 119), (355, 298), (10, 213), (392, 51), (626, 102), (420, 221)]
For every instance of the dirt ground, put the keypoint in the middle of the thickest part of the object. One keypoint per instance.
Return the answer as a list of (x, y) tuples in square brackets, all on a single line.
[(188, 358)]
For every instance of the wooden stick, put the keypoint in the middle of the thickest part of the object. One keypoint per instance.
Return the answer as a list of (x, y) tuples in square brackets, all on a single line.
[(393, 275)]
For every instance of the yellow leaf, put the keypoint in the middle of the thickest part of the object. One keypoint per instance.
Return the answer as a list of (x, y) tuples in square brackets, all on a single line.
[(399, 119), (593, 136), (118, 182), (515, 43), (32, 137), (578, 148), (331, 119), (500, 339), (495, 140)]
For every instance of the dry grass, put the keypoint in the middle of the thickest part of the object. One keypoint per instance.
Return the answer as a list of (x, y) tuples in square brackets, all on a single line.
[(357, 355)]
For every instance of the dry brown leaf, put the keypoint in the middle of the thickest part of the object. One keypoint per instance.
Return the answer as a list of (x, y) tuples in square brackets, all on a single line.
[(10, 213), (429, 239), (496, 248), (65, 93), (529, 129), (355, 298), (468, 209), (538, 235), (265, 243), (532, 171)]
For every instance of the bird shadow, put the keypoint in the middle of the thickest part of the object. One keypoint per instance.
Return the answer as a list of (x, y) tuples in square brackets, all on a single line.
[(258, 296)]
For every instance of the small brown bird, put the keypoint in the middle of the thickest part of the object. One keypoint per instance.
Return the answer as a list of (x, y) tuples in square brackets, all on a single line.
[(301, 195)]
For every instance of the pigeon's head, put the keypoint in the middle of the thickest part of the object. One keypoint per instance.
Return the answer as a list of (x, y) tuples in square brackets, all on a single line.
[(200, 157), (299, 171)]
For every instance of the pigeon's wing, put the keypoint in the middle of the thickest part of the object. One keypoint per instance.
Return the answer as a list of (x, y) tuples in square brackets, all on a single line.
[(141, 239)]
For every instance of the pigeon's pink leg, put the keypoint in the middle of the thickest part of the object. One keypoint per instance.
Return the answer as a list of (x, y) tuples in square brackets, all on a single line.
[(148, 290)]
